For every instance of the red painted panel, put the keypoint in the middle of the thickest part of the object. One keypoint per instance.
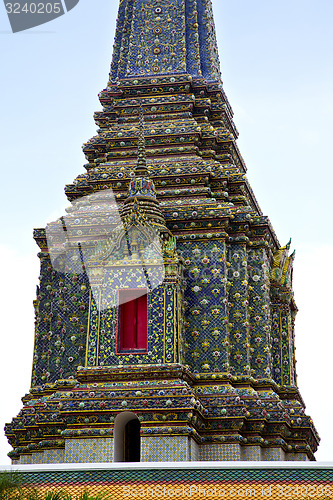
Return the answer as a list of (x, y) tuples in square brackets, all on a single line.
[(132, 320), (142, 322)]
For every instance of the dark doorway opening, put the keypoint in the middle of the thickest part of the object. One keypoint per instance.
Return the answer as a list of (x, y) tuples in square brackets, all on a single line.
[(132, 441), (127, 444)]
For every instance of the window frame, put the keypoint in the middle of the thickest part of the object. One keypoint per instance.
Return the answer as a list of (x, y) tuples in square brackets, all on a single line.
[(141, 292)]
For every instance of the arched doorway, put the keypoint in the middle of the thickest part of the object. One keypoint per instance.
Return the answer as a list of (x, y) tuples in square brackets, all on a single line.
[(126, 438)]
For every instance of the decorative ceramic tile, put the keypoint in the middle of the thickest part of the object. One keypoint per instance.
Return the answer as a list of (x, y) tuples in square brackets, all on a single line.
[(164, 449), (297, 457), (194, 451), (171, 57), (89, 450), (257, 483), (54, 456), (271, 454), (251, 453), (39, 458), (213, 452), (225, 309), (26, 459)]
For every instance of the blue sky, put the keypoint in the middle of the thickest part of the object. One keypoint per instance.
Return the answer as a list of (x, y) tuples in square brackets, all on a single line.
[(276, 60)]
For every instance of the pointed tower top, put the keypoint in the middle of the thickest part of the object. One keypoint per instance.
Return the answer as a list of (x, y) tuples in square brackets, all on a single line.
[(165, 37), (141, 168), (141, 186)]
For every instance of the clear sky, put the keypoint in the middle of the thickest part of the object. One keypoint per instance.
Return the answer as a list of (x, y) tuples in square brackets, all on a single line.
[(276, 60)]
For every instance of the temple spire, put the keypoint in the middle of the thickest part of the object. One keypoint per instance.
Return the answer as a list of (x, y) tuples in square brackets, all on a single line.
[(142, 187), (186, 304), (141, 167), (165, 38)]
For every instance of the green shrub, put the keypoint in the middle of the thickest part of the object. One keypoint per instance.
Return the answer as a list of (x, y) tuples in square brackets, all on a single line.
[(10, 486)]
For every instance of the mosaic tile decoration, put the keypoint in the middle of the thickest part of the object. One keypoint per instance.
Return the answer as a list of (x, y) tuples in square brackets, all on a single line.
[(89, 450), (48, 456), (26, 459), (194, 451), (38, 458), (273, 454), (155, 449), (195, 53), (164, 449), (53, 457), (220, 452), (164, 168), (252, 453), (299, 457), (194, 483)]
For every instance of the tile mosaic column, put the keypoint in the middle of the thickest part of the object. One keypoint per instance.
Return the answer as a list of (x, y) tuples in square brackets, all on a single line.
[(205, 302), (238, 304), (194, 451), (283, 346), (288, 363), (278, 368), (259, 306)]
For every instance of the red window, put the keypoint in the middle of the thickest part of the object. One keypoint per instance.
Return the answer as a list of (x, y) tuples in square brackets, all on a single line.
[(132, 320)]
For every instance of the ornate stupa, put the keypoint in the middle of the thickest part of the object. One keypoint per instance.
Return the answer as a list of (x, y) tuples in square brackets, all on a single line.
[(165, 312)]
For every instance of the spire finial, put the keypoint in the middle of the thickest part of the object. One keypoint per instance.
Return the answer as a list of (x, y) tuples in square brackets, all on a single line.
[(141, 166)]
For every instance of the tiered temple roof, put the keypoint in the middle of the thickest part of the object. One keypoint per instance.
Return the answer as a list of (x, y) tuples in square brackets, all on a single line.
[(164, 207)]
